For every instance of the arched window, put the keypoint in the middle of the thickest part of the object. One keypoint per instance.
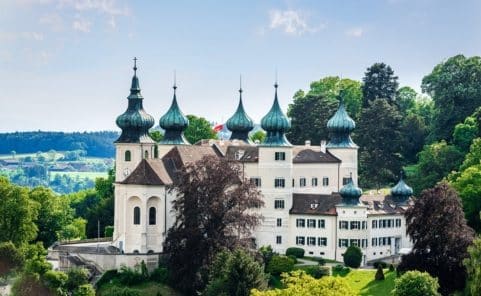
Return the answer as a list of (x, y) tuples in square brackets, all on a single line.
[(146, 154), (128, 155), (136, 216), (156, 151), (152, 216)]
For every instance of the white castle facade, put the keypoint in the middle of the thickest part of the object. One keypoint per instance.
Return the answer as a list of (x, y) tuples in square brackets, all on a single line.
[(310, 193)]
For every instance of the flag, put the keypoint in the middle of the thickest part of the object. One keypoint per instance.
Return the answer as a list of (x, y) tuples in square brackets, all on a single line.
[(217, 128)]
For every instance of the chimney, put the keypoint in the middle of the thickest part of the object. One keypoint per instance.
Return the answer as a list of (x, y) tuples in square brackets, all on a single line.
[(308, 143), (323, 146)]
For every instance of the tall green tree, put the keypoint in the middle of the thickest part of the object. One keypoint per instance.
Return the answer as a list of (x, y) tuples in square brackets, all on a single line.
[(406, 99), (17, 214), (473, 266), (199, 129), (213, 211), (464, 133), (310, 111), (468, 185), (413, 136), (455, 86), (103, 212), (440, 236), (379, 82), (379, 137)]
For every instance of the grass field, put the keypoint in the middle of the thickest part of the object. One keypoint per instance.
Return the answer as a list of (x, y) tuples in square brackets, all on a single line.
[(147, 289), (363, 282), (81, 175)]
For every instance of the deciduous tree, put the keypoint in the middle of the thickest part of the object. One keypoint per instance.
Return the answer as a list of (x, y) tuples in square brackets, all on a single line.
[(379, 82), (473, 266), (199, 129)]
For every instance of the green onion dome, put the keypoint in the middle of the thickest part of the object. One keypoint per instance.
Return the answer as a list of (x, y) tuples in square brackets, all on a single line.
[(135, 122), (275, 123), (174, 123), (240, 124), (350, 193), (340, 126), (401, 192)]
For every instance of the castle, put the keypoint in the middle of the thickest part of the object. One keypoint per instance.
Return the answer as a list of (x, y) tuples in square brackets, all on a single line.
[(310, 191)]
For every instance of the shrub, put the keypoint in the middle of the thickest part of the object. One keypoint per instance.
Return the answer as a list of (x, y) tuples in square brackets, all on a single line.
[(143, 270), (296, 252), (76, 278), (353, 257), (321, 261), (130, 276), (160, 275), (84, 290), (55, 279), (10, 258), (107, 277), (379, 263), (280, 264), (416, 283), (109, 231), (391, 268), (341, 270), (317, 271), (379, 274), (121, 291), (267, 253), (293, 258)]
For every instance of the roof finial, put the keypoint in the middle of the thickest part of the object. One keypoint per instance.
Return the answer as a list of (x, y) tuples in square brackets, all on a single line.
[(276, 84), (401, 174), (240, 83), (135, 65), (175, 81)]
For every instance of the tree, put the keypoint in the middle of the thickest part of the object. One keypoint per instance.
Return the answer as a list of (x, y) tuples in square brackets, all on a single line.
[(378, 136), (199, 129), (440, 237), (379, 276), (379, 83), (473, 267), (464, 133), (258, 136), (436, 161), (101, 212), (468, 185), (213, 210), (455, 87), (239, 274), (415, 283), (10, 258), (300, 284), (353, 257), (310, 112), (156, 135), (406, 99), (267, 253), (17, 213), (413, 136)]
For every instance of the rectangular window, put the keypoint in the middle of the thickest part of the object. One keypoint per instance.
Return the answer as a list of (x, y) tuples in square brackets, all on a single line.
[(280, 156), (364, 225), (278, 204), (300, 240), (345, 180), (321, 223), (278, 239), (389, 223), (355, 242), (398, 222), (322, 241), (311, 241), (301, 223), (314, 182), (325, 181), (279, 222), (256, 181), (293, 182), (302, 182), (343, 243), (355, 225), (374, 223), (311, 223), (343, 225), (374, 241), (279, 183)]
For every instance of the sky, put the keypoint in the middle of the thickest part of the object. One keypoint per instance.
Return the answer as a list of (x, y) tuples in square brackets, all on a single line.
[(66, 65)]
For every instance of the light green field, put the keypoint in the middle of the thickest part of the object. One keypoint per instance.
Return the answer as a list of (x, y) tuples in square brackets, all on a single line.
[(363, 282), (81, 175)]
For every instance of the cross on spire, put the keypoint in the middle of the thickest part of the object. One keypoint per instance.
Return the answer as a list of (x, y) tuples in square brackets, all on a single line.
[(135, 65)]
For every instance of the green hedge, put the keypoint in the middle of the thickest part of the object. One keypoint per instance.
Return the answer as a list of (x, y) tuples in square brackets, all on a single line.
[(296, 252)]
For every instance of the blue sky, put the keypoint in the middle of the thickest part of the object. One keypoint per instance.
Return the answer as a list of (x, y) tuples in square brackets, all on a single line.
[(66, 64)]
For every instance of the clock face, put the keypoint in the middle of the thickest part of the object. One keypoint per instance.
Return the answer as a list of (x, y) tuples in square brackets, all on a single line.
[(126, 172)]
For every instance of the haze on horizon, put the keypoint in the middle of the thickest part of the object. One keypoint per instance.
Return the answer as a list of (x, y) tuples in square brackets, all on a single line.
[(66, 65)]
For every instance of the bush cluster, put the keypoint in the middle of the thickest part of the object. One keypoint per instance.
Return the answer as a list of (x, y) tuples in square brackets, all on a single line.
[(280, 264), (317, 271), (296, 252), (353, 257)]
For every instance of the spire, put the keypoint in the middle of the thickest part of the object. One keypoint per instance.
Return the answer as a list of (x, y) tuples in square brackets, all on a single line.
[(275, 123), (174, 122), (240, 124), (340, 127), (350, 193), (135, 122), (401, 192)]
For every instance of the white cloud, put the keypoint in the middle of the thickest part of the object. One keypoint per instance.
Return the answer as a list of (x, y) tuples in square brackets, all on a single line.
[(53, 20), (109, 7), (82, 25), (356, 32), (293, 22)]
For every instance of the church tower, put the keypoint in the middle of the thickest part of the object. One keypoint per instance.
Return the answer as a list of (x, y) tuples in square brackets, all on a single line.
[(174, 124), (240, 124), (134, 143), (275, 171), (340, 126)]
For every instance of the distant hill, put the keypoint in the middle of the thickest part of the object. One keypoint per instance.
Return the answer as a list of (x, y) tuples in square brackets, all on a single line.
[(96, 144)]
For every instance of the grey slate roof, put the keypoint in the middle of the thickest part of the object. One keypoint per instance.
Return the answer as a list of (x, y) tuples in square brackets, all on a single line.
[(315, 204), (310, 155), (149, 172)]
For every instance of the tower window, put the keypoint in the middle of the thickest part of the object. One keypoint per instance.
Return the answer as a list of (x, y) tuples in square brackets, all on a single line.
[(279, 222), (314, 182), (136, 216), (152, 216), (325, 181), (128, 155), (278, 239), (278, 204), (280, 156), (146, 154), (302, 182), (156, 151), (279, 183)]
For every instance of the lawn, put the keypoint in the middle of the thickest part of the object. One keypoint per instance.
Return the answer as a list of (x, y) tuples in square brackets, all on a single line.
[(362, 281), (147, 289)]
